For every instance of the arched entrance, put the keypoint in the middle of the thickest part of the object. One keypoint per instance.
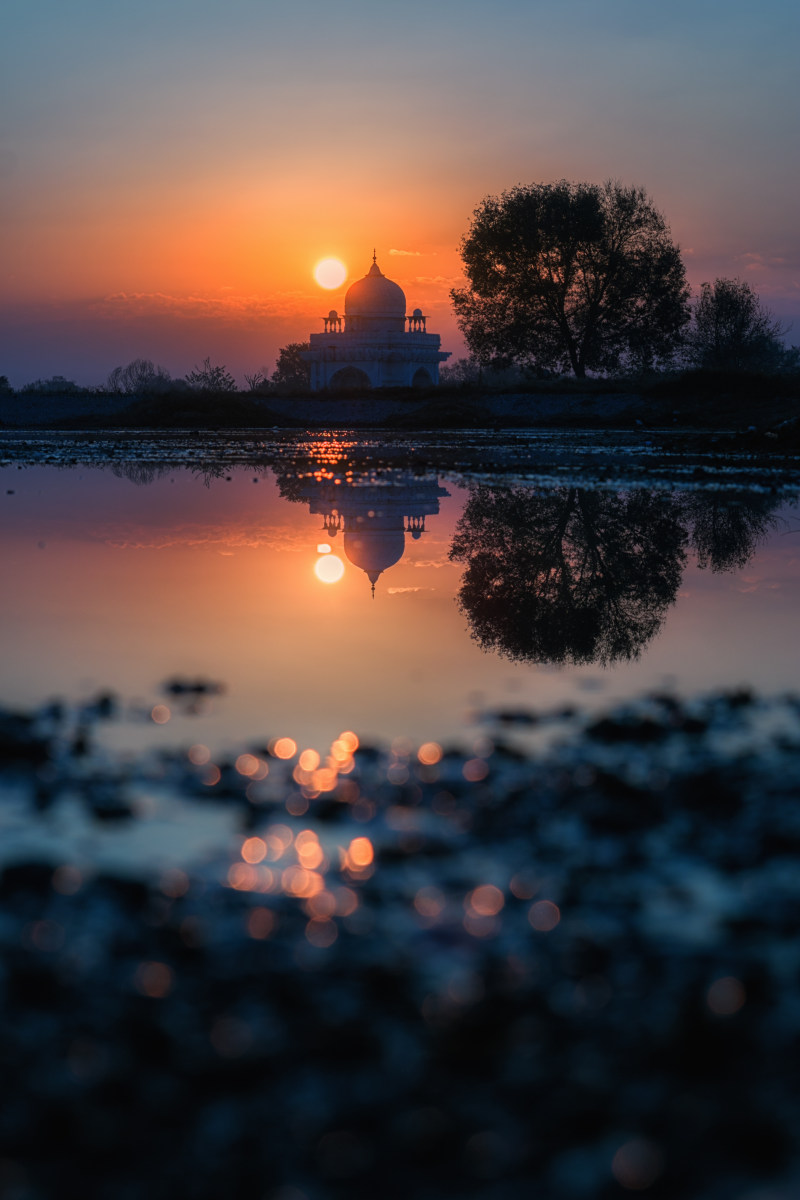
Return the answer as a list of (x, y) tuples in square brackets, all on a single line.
[(421, 379), (350, 379)]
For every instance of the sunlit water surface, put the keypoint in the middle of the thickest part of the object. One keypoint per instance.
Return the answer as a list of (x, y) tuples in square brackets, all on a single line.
[(261, 581)]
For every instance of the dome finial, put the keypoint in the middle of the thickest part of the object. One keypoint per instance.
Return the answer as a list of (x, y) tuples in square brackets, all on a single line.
[(374, 254)]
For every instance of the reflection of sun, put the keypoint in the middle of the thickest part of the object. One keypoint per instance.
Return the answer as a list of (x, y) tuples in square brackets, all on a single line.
[(330, 272), (329, 568)]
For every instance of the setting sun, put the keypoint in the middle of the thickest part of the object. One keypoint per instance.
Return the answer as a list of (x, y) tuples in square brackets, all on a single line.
[(330, 273)]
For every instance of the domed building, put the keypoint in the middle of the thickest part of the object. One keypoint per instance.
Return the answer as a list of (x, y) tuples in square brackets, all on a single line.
[(374, 344)]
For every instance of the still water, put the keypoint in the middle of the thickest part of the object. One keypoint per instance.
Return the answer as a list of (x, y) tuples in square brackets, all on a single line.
[(310, 593)]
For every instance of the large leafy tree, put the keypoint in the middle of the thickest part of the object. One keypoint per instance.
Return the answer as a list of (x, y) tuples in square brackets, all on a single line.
[(573, 277), (732, 331)]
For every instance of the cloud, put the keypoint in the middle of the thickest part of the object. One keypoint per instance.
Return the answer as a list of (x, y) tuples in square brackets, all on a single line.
[(230, 308), (399, 591), (406, 253)]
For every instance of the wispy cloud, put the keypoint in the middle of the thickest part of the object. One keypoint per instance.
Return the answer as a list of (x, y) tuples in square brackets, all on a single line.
[(406, 253), (228, 307)]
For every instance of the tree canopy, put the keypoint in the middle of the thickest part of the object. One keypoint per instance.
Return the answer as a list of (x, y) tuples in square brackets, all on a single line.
[(138, 377), (572, 277), (292, 372), (732, 331)]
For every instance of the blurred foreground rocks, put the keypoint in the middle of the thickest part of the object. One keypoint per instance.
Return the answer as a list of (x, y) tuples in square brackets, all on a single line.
[(562, 973)]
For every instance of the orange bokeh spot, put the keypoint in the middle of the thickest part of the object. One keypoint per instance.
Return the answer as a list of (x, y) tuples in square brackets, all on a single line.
[(160, 714), (212, 775), (260, 923), (429, 754), (485, 901), (284, 747), (297, 881), (254, 850), (544, 915), (243, 877), (308, 760), (349, 740), (321, 905), (199, 754), (361, 852), (247, 764), (321, 932), (475, 769)]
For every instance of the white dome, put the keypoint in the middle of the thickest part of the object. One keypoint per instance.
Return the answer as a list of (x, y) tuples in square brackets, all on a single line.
[(375, 296)]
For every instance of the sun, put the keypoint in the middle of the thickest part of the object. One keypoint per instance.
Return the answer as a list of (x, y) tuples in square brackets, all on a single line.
[(330, 273)]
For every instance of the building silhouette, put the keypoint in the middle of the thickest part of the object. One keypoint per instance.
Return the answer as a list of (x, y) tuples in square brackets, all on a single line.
[(374, 344)]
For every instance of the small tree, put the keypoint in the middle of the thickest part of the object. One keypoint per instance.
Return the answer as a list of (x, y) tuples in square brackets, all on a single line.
[(291, 372), (207, 378), (258, 381), (462, 371), (138, 377), (5, 387), (572, 276), (732, 331)]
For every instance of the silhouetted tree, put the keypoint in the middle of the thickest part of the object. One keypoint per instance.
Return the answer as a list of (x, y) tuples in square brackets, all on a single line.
[(139, 378), (5, 387), (463, 370), (291, 372), (567, 575), (732, 331), (208, 378), (50, 386), (258, 381), (572, 276), (726, 531)]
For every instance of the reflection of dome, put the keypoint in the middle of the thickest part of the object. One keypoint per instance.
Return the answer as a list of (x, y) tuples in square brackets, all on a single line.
[(373, 550), (375, 296)]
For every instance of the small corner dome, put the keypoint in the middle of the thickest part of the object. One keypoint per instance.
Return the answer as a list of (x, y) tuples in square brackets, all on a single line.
[(417, 312), (375, 296), (333, 315)]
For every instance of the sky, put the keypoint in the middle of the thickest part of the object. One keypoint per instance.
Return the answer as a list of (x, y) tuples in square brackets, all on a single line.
[(171, 173)]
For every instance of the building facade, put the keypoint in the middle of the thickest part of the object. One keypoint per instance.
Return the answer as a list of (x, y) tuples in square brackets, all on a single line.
[(374, 344)]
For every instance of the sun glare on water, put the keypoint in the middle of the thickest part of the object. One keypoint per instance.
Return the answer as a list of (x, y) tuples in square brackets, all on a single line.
[(329, 568), (330, 273)]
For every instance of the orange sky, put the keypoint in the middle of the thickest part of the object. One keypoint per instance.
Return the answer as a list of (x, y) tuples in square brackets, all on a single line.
[(169, 176)]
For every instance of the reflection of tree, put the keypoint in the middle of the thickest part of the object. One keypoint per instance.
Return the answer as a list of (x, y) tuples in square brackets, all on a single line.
[(140, 473), (726, 531), (568, 576)]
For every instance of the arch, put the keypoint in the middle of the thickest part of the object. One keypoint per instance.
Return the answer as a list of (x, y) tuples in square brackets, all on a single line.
[(422, 378), (350, 379)]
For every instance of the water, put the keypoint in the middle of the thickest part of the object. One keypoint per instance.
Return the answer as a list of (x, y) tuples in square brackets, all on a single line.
[(544, 573)]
